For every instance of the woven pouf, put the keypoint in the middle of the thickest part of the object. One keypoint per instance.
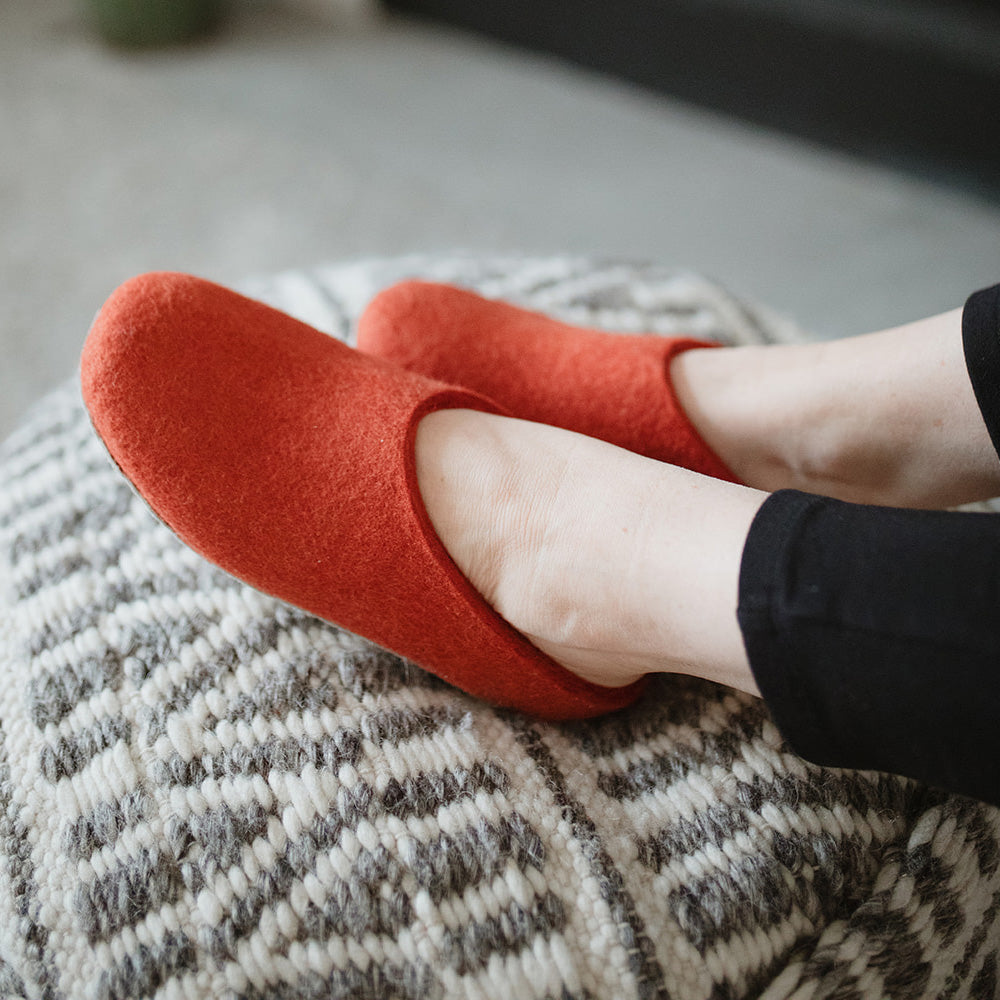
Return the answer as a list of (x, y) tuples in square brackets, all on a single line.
[(205, 793)]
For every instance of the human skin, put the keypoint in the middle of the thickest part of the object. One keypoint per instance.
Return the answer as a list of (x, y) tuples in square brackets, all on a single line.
[(619, 566)]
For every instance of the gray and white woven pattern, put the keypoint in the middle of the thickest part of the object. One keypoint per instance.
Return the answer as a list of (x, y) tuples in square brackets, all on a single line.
[(207, 794)]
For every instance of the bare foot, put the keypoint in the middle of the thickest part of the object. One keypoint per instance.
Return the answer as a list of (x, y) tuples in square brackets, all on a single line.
[(887, 418), (614, 565)]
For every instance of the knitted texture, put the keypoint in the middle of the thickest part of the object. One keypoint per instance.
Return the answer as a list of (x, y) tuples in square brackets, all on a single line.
[(205, 793)]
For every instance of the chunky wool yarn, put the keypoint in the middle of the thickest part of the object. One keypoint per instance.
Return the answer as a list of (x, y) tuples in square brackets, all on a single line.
[(207, 794)]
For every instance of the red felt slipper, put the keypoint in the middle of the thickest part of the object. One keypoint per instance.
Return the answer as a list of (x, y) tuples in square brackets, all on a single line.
[(287, 459), (614, 387)]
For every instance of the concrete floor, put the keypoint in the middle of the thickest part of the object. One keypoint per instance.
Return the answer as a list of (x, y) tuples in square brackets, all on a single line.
[(291, 140)]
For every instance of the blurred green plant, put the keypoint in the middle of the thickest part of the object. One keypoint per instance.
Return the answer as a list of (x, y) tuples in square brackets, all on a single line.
[(140, 23)]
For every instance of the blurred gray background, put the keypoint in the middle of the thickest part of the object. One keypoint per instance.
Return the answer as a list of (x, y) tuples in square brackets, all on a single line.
[(306, 132)]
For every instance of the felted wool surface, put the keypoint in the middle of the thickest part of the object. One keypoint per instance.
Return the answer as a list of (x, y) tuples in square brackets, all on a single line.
[(608, 386), (287, 459), (205, 793)]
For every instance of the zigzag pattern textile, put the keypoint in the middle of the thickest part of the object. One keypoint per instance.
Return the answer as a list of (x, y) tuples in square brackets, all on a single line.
[(207, 794)]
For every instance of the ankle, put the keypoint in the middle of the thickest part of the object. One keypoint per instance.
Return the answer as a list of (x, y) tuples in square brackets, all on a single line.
[(886, 418), (749, 406)]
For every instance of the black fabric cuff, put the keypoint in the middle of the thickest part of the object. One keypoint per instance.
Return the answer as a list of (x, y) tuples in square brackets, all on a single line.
[(873, 636), (768, 557), (981, 340)]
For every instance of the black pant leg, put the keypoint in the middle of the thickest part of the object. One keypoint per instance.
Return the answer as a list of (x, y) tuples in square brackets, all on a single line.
[(874, 636), (981, 343)]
